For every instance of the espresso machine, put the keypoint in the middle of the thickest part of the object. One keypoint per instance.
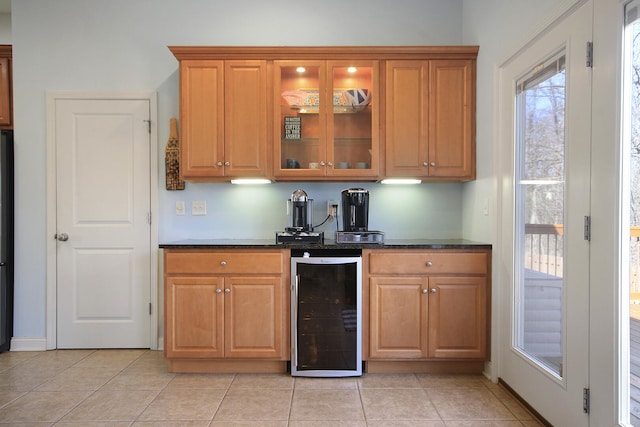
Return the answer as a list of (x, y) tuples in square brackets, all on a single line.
[(300, 221), (355, 218)]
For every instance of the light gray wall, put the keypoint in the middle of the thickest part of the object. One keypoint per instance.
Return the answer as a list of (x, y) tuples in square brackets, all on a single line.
[(498, 27), (5, 28), (120, 45)]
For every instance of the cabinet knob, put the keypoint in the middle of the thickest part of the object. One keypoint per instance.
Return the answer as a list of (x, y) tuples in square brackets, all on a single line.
[(330, 164), (429, 264), (322, 164), (229, 163), (223, 263), (218, 291), (424, 291), (227, 291), (425, 164), (433, 290), (219, 164), (433, 164)]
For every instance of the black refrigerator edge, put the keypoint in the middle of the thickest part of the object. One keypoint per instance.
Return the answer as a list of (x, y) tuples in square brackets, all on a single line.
[(6, 239)]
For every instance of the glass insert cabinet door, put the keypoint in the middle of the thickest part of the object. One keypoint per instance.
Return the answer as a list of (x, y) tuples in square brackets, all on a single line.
[(328, 118)]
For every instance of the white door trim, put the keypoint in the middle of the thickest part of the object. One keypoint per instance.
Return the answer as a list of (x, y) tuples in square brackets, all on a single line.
[(51, 268)]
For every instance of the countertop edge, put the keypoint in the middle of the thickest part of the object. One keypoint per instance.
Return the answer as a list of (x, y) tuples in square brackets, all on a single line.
[(399, 244)]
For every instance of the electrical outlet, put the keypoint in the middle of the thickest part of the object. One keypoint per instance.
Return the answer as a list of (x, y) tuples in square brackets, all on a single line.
[(332, 208), (180, 207), (199, 207)]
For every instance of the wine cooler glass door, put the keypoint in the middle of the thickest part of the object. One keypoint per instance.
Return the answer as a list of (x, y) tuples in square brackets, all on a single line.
[(326, 324)]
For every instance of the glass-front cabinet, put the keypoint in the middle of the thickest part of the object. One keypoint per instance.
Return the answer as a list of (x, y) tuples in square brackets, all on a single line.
[(328, 120)]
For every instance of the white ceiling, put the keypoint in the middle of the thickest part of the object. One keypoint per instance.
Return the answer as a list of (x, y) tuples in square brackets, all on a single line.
[(5, 6)]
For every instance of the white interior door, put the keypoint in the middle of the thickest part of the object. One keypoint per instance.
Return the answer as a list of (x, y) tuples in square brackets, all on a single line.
[(103, 223), (546, 114)]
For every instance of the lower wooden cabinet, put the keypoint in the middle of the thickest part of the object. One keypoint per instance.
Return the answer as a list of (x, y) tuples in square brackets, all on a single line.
[(228, 310), (226, 305), (428, 304)]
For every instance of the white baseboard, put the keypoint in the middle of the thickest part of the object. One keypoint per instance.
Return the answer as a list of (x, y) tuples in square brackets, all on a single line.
[(28, 344), (40, 344)]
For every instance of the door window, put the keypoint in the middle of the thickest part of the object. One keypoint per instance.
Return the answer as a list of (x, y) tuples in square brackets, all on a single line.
[(540, 190), (630, 223)]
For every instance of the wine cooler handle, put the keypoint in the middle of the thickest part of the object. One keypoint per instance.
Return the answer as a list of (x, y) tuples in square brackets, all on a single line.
[(295, 316)]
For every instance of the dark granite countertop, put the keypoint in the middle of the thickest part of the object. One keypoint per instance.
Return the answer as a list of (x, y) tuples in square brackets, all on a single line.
[(328, 244)]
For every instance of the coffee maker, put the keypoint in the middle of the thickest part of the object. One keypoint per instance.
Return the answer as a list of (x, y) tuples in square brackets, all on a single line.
[(355, 209), (300, 221), (355, 218), (300, 211)]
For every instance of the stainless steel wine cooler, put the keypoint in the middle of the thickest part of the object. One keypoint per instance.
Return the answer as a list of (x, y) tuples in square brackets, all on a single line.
[(326, 312)]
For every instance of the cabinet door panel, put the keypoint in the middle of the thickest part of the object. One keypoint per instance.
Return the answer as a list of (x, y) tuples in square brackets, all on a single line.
[(457, 317), (253, 317), (451, 119), (245, 118), (300, 120), (407, 116), (194, 317), (202, 115), (5, 92), (398, 317)]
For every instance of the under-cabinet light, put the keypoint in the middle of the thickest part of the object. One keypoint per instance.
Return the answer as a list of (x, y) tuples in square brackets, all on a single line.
[(397, 181), (301, 69), (245, 181), (352, 69)]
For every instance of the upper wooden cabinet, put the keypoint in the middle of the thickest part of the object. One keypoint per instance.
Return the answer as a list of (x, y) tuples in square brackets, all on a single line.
[(430, 119), (340, 113), (327, 125), (6, 87), (223, 111)]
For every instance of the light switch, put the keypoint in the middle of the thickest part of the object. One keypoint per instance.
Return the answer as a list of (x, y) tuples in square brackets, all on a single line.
[(199, 207), (180, 207)]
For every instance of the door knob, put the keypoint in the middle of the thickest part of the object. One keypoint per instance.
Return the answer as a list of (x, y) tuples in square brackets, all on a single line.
[(62, 237)]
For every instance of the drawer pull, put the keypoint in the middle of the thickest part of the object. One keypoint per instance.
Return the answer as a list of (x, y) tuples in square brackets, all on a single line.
[(429, 264), (223, 263)]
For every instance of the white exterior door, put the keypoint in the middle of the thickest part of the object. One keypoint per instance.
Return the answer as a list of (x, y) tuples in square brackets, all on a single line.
[(103, 223), (545, 257)]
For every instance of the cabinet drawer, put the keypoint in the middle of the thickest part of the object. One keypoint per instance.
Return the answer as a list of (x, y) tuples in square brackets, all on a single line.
[(214, 262), (421, 262)]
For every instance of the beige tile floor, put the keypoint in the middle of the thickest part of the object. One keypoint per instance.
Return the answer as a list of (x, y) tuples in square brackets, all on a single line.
[(133, 388)]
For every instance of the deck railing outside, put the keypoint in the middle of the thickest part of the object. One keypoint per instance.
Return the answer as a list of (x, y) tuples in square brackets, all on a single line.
[(543, 248), (544, 243)]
